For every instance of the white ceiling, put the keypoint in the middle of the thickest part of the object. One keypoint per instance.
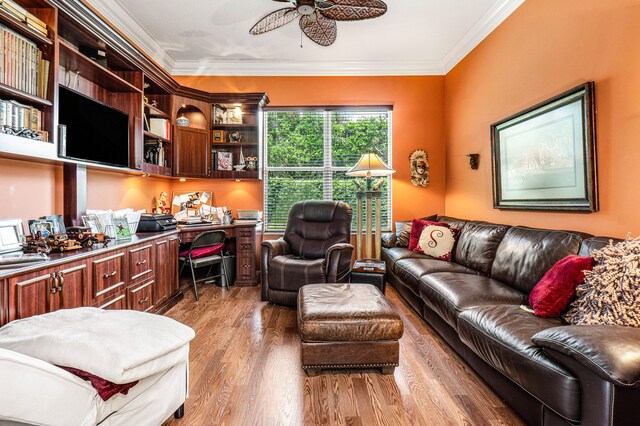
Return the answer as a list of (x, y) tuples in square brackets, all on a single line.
[(211, 37)]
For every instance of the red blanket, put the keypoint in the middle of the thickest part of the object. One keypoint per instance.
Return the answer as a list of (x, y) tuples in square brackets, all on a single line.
[(105, 388)]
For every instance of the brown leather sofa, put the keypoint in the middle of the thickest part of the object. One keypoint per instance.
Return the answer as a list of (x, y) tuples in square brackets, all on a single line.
[(549, 372), (314, 249)]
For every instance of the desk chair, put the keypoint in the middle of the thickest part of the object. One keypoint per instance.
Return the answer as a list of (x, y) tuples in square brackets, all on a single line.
[(207, 249)]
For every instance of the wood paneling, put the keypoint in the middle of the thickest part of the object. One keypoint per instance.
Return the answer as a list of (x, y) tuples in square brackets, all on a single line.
[(192, 155), (166, 269), (245, 370)]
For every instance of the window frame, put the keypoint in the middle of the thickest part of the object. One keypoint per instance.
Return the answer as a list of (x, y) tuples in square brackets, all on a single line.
[(327, 168)]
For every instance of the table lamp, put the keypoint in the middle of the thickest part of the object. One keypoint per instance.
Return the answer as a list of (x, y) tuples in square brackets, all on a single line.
[(369, 166)]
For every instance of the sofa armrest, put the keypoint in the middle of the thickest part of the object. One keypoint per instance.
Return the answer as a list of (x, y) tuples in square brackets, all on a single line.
[(36, 392), (389, 239), (611, 352), (268, 250), (338, 262)]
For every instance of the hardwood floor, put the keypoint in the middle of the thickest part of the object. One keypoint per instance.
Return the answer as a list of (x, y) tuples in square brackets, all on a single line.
[(245, 370)]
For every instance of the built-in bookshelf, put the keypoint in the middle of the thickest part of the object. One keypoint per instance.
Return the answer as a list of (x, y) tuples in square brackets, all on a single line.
[(27, 78)]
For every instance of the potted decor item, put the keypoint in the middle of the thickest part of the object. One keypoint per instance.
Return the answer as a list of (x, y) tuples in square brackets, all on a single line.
[(183, 121)]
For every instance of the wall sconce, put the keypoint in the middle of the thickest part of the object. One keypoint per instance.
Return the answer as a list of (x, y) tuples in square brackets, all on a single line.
[(473, 161)]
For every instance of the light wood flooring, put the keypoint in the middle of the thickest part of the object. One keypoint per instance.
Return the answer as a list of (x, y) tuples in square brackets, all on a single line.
[(245, 370)]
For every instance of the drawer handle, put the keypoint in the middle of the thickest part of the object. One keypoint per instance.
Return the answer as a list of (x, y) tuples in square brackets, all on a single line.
[(113, 274), (141, 262), (60, 281), (141, 301), (245, 234), (245, 247)]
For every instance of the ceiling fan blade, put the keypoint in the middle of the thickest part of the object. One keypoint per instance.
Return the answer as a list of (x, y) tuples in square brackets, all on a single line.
[(354, 10), (274, 20), (319, 29)]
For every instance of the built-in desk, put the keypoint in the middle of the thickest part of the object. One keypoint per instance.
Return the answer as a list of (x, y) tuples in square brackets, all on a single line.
[(243, 241)]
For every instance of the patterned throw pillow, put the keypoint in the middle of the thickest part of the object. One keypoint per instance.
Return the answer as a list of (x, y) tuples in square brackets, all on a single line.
[(417, 225), (437, 241)]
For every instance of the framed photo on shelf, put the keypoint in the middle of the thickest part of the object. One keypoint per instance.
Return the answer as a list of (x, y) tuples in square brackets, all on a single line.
[(218, 114), (45, 227), (92, 221), (218, 136), (121, 228), (225, 160), (233, 116), (544, 158), (11, 233), (58, 223)]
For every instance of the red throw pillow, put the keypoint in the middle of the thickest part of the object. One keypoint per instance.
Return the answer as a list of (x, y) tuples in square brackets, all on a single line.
[(417, 225), (552, 295), (199, 252)]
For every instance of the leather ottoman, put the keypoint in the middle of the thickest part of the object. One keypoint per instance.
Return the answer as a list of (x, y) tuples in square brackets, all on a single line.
[(347, 326)]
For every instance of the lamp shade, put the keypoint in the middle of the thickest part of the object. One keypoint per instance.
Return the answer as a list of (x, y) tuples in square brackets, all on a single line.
[(370, 165)]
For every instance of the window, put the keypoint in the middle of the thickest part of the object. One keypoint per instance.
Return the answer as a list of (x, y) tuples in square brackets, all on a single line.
[(308, 151)]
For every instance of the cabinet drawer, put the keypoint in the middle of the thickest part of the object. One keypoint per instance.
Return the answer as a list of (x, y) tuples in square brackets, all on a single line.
[(108, 276), (140, 297), (140, 262), (116, 303)]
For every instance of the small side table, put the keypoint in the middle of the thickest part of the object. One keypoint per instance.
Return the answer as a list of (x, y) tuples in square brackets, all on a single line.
[(369, 271)]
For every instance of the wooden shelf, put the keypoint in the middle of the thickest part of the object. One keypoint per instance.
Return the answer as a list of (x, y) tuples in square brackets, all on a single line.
[(155, 112), (75, 62), (150, 135), (233, 144), (23, 29), (192, 129), (15, 146), (232, 174), (227, 126), (156, 170), (24, 96)]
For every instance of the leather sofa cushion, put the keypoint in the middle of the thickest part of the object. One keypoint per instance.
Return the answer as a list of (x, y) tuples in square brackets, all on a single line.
[(315, 225), (526, 254), (391, 256), (288, 273), (452, 222), (477, 245), (501, 335), (595, 243), (410, 270), (449, 293), (346, 313)]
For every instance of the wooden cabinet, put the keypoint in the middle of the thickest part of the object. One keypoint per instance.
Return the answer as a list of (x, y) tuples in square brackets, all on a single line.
[(115, 303), (191, 151), (140, 297), (245, 256), (167, 282), (140, 262), (108, 273), (237, 129), (47, 290)]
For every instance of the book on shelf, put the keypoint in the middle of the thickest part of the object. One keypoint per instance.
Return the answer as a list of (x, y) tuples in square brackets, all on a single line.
[(35, 23), (17, 119), (21, 64), (14, 9), (160, 127)]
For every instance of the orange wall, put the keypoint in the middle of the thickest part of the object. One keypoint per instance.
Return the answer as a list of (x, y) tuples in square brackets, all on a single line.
[(29, 190), (544, 48), (109, 190), (418, 122)]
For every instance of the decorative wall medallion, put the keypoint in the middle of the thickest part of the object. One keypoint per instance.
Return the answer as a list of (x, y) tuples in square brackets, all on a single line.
[(418, 161)]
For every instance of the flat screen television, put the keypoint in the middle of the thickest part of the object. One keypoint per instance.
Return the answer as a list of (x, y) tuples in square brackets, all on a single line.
[(95, 132)]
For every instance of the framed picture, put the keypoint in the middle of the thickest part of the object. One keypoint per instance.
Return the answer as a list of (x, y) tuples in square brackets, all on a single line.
[(190, 203), (45, 227), (58, 223), (233, 116), (92, 221), (11, 233), (219, 114), (218, 136), (121, 228), (225, 160), (544, 158)]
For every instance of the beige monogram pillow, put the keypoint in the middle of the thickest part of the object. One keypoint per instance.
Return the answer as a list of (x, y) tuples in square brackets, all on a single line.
[(437, 241)]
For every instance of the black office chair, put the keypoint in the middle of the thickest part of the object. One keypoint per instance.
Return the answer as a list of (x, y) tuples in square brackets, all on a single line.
[(207, 249)]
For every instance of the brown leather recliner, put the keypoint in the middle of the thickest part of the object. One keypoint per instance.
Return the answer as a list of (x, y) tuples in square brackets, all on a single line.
[(314, 249)]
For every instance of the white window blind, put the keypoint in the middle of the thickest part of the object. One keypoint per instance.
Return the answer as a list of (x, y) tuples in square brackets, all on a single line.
[(308, 151)]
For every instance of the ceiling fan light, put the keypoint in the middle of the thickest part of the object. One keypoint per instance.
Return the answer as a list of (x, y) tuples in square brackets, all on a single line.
[(306, 7)]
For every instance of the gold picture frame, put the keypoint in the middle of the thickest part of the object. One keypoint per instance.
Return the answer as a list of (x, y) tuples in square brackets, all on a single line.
[(218, 136)]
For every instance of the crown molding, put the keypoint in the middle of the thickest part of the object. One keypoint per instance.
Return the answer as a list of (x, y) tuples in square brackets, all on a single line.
[(272, 68), (485, 25), (118, 17)]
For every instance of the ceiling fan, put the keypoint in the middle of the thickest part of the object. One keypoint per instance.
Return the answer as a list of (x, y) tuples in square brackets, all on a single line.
[(318, 17)]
